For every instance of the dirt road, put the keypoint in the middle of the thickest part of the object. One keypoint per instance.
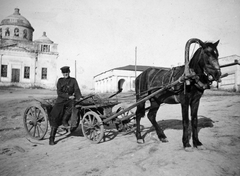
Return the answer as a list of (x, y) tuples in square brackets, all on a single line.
[(120, 155)]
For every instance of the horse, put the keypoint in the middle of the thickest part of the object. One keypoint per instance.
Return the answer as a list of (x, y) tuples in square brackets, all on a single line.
[(192, 79)]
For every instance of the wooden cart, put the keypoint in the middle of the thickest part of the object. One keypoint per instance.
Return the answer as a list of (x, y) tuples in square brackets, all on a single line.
[(93, 118)]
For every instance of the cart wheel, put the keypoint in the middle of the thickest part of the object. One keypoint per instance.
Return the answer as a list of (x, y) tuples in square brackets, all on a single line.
[(92, 127), (35, 122), (128, 128), (127, 119)]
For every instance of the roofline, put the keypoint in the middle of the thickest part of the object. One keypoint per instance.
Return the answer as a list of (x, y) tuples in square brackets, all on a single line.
[(118, 68), (229, 56), (231, 64)]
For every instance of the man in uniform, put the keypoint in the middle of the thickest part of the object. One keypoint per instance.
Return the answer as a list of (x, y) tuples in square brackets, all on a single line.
[(67, 91)]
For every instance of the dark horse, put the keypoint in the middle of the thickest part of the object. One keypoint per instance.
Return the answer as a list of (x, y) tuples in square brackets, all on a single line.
[(192, 79)]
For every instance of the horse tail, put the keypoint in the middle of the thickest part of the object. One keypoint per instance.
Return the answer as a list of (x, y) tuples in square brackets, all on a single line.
[(141, 85)]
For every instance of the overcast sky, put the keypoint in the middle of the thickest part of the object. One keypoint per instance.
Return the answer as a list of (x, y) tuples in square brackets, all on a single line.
[(102, 34)]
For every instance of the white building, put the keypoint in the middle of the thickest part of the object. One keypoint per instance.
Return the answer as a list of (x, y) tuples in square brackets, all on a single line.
[(24, 62), (123, 77), (231, 66)]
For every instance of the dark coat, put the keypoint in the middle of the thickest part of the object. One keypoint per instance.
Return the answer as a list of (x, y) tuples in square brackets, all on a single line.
[(66, 87)]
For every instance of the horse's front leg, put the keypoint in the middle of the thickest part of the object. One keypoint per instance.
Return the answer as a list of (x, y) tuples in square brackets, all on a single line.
[(152, 117), (194, 122), (185, 122)]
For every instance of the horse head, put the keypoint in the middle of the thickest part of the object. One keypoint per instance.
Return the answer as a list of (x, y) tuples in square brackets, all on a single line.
[(209, 61), (205, 60)]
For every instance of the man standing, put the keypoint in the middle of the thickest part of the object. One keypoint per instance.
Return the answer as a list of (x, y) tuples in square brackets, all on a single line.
[(67, 91)]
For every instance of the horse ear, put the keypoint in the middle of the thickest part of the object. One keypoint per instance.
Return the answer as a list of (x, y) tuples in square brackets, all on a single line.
[(216, 44), (202, 44)]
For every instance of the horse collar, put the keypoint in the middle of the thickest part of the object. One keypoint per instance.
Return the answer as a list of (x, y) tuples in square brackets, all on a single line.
[(199, 84)]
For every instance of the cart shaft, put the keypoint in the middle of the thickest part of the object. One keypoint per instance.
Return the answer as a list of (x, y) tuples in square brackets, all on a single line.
[(142, 100)]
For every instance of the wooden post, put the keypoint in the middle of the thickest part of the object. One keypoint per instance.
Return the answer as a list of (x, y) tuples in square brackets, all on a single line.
[(75, 69), (135, 62)]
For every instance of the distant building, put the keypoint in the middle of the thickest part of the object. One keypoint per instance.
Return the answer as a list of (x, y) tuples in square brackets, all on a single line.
[(24, 62), (123, 77), (231, 66)]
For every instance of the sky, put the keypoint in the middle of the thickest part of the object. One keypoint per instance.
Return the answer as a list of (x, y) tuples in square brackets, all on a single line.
[(99, 35)]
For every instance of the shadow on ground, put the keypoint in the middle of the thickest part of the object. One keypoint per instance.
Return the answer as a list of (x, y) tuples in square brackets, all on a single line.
[(111, 132)]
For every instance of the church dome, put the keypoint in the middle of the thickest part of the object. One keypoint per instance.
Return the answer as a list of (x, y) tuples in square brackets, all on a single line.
[(44, 39), (16, 19)]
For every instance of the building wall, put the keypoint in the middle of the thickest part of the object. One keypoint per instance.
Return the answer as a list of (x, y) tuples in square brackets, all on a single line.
[(232, 81), (231, 66), (49, 62), (20, 59), (109, 81), (15, 60)]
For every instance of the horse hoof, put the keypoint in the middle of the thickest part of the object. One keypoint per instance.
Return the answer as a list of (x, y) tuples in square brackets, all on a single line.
[(188, 149), (164, 139), (201, 147), (140, 141)]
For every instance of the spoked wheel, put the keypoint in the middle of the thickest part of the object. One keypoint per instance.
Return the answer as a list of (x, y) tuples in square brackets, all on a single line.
[(127, 119), (92, 127), (35, 122)]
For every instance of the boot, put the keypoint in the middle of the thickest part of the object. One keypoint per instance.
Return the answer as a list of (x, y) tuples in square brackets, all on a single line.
[(52, 135), (66, 118)]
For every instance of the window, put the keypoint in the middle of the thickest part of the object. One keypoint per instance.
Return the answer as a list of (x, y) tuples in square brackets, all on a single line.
[(16, 32), (44, 73), (4, 71), (7, 32), (27, 72), (45, 48), (25, 33)]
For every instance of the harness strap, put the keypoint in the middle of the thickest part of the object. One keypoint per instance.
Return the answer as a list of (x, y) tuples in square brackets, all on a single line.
[(198, 83)]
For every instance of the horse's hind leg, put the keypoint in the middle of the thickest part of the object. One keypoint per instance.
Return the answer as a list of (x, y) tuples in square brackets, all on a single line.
[(152, 117), (140, 112)]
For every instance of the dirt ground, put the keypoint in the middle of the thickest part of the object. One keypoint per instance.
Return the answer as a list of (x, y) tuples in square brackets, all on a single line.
[(120, 155)]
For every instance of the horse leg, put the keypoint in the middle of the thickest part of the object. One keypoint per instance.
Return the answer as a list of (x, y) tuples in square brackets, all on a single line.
[(140, 112), (194, 122), (185, 122), (152, 117)]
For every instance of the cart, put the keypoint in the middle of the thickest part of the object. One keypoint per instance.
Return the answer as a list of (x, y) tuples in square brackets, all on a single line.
[(93, 117)]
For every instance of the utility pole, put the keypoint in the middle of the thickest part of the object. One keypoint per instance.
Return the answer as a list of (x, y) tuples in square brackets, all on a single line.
[(76, 69), (135, 62)]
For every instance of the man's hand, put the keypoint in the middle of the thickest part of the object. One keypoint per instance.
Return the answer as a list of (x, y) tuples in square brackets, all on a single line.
[(71, 97)]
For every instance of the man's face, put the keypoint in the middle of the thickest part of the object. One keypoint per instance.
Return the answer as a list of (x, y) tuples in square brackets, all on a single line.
[(65, 75)]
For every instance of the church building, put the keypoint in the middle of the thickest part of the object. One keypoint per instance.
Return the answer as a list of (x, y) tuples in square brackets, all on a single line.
[(24, 62)]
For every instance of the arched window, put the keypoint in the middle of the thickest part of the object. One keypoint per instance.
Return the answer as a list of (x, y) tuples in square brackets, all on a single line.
[(16, 32), (7, 32), (25, 33), (120, 84)]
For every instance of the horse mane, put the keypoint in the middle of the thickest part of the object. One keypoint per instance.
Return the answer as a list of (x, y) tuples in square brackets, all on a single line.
[(195, 59)]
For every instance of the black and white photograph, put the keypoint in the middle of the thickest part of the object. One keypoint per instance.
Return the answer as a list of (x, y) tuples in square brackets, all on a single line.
[(119, 88)]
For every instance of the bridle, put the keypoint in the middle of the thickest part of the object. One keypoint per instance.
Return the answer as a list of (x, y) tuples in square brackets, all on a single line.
[(209, 66)]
